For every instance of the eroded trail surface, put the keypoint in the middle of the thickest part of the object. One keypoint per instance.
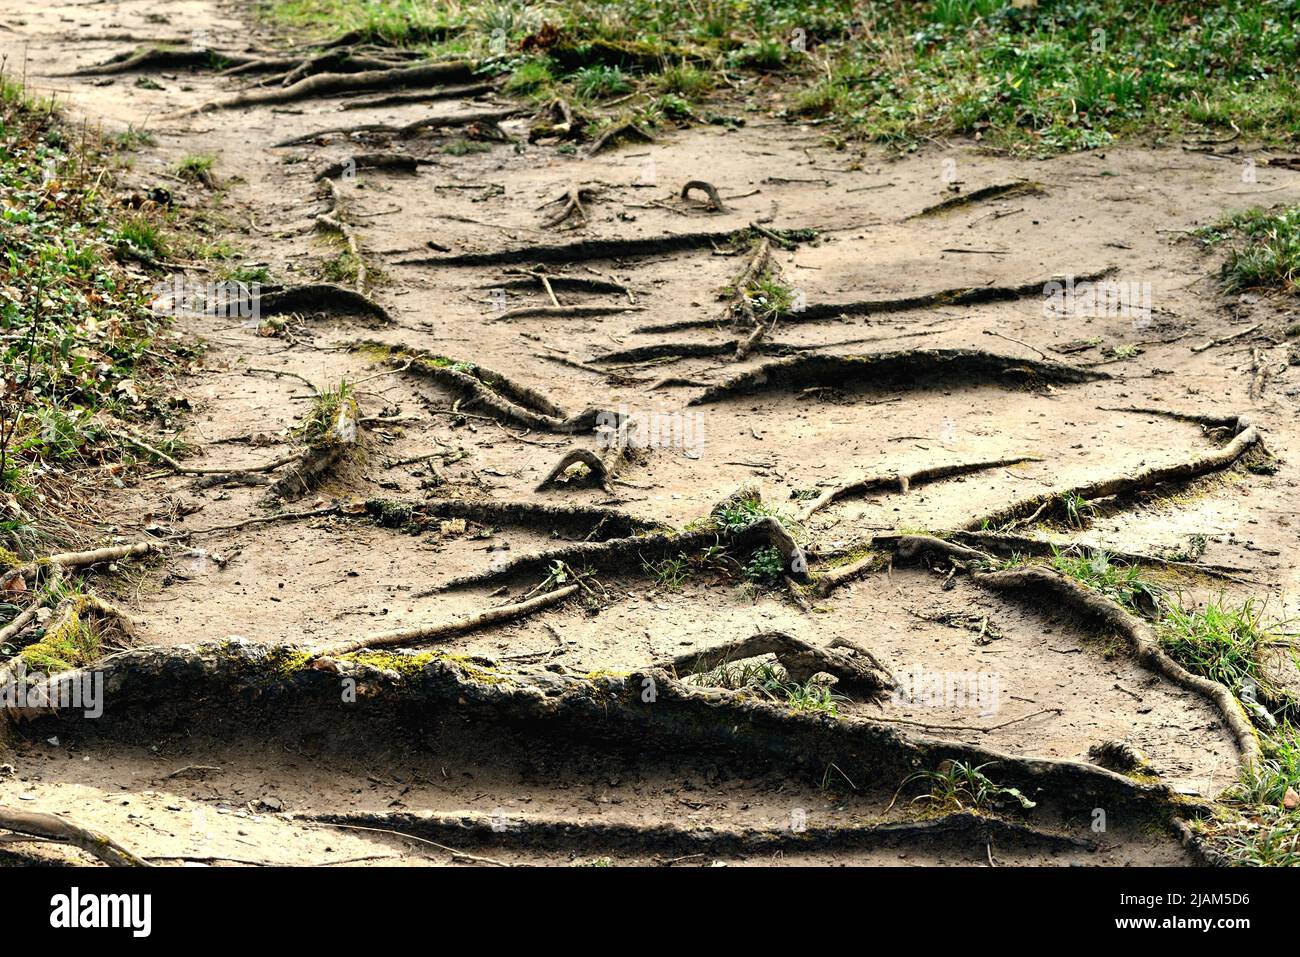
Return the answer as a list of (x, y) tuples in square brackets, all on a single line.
[(752, 489)]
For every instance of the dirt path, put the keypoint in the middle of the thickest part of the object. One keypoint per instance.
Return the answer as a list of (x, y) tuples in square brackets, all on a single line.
[(516, 788)]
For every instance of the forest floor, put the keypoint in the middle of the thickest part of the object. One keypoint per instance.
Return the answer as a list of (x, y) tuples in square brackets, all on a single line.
[(1044, 698)]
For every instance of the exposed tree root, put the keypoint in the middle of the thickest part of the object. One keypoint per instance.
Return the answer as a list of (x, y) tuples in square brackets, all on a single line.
[(275, 691), (332, 84), (96, 556), (856, 668), (565, 312), (322, 297), (181, 469), (1210, 421), (338, 440), (601, 468), (894, 369), (52, 827), (425, 633), (1029, 510), (389, 162), (1061, 592), (1007, 545), (538, 833), (963, 296), (591, 523), (1065, 592), (615, 134), (423, 96), (333, 221), (490, 391), (902, 481), (487, 117), (161, 58), (585, 249), (571, 205), (635, 552), (1018, 188), (714, 205), (559, 281)]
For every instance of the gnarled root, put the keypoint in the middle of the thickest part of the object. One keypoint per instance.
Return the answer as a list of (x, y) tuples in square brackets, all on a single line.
[(1029, 510), (52, 827), (902, 481), (856, 668)]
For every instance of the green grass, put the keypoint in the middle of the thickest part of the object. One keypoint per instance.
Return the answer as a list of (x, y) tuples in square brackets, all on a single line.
[(1267, 252), (80, 344), (958, 785), (196, 168), (1055, 75), (1222, 642), (1123, 584)]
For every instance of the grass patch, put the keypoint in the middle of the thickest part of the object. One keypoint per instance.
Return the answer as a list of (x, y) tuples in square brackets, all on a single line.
[(957, 786), (1266, 248), (1044, 77), (80, 342)]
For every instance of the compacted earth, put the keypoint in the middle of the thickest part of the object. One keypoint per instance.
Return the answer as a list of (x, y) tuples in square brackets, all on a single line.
[(701, 526)]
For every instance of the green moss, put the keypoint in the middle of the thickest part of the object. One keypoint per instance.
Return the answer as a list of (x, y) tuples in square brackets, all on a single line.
[(404, 665), (9, 559), (73, 641)]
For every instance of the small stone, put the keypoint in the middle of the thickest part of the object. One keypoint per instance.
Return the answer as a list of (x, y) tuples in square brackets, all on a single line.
[(1290, 800)]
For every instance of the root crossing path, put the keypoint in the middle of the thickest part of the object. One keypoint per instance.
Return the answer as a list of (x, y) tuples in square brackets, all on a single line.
[(628, 487)]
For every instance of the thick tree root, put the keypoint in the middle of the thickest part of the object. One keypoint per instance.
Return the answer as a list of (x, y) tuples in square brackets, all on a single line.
[(1047, 504), (389, 162), (1007, 545), (902, 481), (279, 692), (856, 668), (601, 468), (96, 556), (488, 391), (321, 297), (530, 832), (333, 84), (1018, 188), (587, 249), (897, 369), (421, 634), (152, 59), (467, 91), (488, 118), (714, 205), (616, 134), (1059, 592), (962, 296), (52, 827), (570, 205), (591, 523), (632, 554)]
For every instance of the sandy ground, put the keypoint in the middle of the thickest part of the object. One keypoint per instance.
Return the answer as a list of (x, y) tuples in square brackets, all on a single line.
[(335, 577)]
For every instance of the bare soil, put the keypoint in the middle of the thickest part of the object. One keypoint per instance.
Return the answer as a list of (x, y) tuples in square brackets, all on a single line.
[(220, 785)]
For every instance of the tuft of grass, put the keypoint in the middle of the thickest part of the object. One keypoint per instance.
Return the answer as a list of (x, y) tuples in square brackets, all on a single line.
[(958, 785), (530, 77), (684, 80), (322, 420), (671, 573), (1123, 584), (1221, 642), (197, 168), (600, 81)]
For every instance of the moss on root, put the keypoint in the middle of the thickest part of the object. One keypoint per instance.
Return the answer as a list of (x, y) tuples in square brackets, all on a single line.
[(73, 640)]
